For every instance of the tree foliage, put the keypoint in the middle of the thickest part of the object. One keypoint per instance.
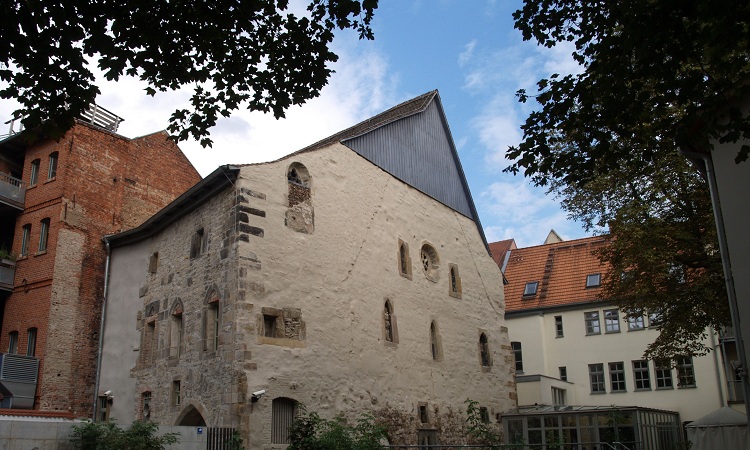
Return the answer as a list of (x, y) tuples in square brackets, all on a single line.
[(108, 436), (311, 432), (654, 72), (233, 53), (656, 75)]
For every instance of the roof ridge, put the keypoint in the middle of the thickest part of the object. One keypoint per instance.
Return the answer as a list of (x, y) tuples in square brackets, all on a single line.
[(569, 243)]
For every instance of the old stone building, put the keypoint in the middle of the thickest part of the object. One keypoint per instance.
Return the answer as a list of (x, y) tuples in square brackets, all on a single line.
[(58, 198), (351, 276)]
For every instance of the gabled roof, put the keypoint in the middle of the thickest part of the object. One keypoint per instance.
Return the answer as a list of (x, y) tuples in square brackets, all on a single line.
[(499, 250), (412, 142), (560, 269)]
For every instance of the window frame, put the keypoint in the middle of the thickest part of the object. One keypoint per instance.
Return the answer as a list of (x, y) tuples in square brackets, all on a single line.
[(31, 335), (43, 235), (597, 382), (13, 342), (52, 167), (611, 325), (517, 355), (593, 280), (530, 289), (617, 381), (176, 394), (34, 175), (641, 375), (559, 330), (636, 323), (563, 370), (485, 356), (593, 323), (685, 372), (25, 239), (663, 374)]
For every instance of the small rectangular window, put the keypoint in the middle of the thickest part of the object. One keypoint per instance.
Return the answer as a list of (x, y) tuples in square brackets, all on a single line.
[(592, 322), (52, 169), (198, 244), (153, 262), (558, 326), (103, 412), (176, 393), (484, 414), (269, 325), (518, 355), (641, 375), (563, 373), (617, 376), (654, 319), (596, 376), (530, 288), (34, 177), (423, 414), (25, 235), (593, 280), (611, 321), (43, 235)]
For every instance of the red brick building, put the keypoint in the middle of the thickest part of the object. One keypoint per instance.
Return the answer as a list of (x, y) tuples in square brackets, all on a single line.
[(57, 200)]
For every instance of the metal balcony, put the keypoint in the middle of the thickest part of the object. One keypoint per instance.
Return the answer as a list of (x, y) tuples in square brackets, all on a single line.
[(12, 190)]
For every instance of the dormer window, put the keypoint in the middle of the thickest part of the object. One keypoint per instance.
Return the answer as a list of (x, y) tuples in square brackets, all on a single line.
[(593, 280), (530, 289)]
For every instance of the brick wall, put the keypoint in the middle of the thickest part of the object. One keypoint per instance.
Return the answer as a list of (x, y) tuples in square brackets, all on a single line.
[(105, 183)]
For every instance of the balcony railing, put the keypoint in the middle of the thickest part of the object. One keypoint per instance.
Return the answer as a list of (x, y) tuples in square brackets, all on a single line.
[(12, 189), (7, 272)]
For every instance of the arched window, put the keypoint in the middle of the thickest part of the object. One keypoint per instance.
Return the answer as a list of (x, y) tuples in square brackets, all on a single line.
[(150, 337), (454, 286), (299, 182), (299, 216), (435, 346), (13, 342), (43, 234), (404, 260), (52, 168), (484, 351), (282, 415), (176, 329)]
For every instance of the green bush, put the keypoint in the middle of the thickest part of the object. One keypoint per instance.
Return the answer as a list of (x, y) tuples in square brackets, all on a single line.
[(311, 432), (109, 436)]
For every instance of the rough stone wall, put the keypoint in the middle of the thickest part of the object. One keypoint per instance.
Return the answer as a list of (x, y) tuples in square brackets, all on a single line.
[(60, 291)]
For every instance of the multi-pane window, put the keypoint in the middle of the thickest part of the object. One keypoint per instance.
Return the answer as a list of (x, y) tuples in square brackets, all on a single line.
[(663, 374), (34, 177), (558, 326), (611, 321), (43, 235), (654, 319), (592, 322), (596, 376), (617, 376), (25, 235), (52, 169), (636, 323), (641, 375), (563, 373), (518, 355), (530, 288), (31, 342), (593, 280), (685, 372)]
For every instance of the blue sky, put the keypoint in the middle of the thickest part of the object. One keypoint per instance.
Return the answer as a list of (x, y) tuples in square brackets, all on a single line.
[(467, 49)]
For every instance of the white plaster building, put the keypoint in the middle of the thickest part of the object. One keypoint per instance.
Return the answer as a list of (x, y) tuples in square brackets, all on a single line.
[(352, 276)]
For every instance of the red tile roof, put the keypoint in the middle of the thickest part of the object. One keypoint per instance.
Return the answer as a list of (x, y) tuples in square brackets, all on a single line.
[(500, 248), (560, 269)]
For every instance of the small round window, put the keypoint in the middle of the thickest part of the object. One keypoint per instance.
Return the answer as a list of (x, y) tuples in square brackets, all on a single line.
[(430, 261)]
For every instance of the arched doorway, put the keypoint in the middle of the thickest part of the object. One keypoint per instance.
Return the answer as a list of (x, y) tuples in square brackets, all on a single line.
[(191, 417)]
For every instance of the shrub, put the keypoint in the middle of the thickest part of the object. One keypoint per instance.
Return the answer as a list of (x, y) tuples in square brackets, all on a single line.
[(107, 435), (311, 432)]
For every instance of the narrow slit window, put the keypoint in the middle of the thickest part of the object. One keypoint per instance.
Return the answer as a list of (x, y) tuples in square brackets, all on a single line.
[(25, 235), (43, 235), (34, 177), (484, 351), (52, 169)]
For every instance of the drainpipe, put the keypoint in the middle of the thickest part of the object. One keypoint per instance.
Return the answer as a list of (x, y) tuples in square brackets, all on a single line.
[(726, 265), (717, 368), (101, 329)]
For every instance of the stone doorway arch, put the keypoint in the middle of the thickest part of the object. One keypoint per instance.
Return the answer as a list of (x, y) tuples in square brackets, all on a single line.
[(191, 417)]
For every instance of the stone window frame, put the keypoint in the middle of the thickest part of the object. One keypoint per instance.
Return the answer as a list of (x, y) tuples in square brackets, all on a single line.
[(485, 354), (389, 327), (198, 243), (430, 260), (176, 393), (404, 259), (273, 317), (149, 336), (282, 321), (436, 344), (423, 412), (145, 409), (211, 320), (454, 281), (176, 329)]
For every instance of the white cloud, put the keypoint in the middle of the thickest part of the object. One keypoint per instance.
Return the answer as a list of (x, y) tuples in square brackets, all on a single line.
[(466, 56), (498, 128), (523, 213)]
